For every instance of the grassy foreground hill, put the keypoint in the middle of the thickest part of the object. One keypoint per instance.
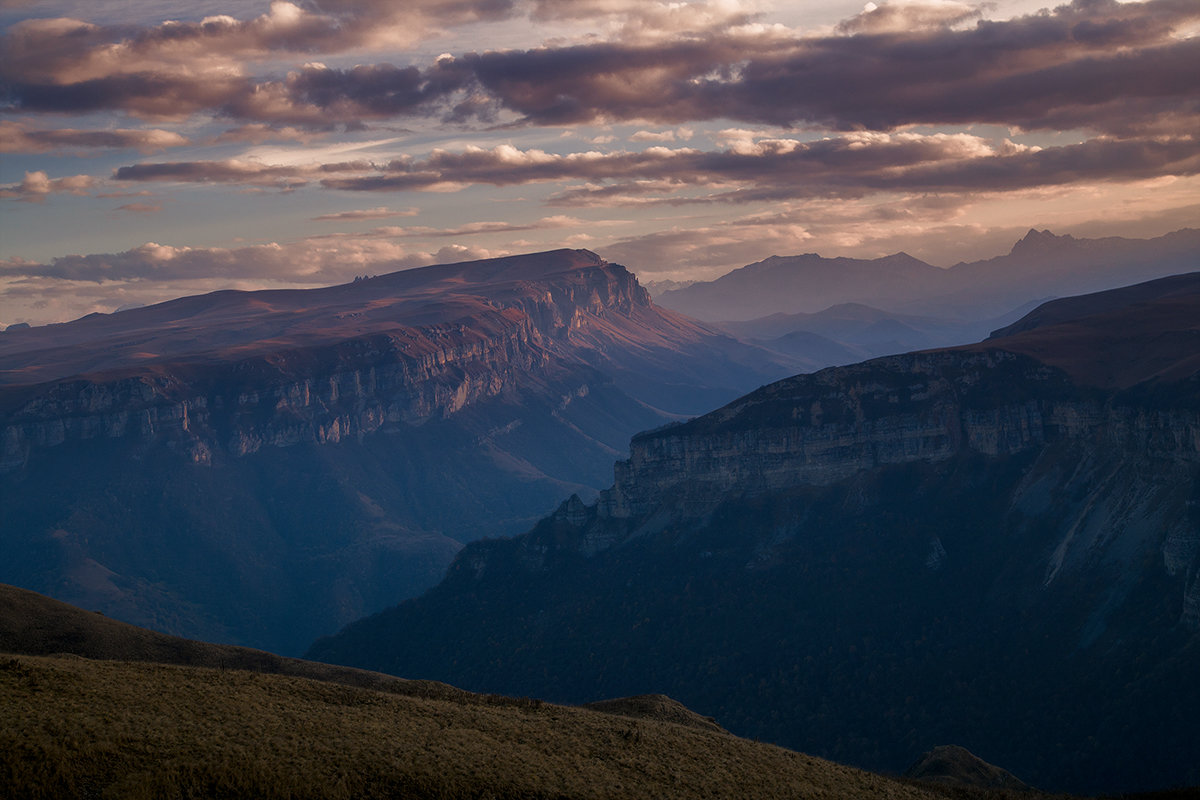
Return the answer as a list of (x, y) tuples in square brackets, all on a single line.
[(73, 727), (230, 722)]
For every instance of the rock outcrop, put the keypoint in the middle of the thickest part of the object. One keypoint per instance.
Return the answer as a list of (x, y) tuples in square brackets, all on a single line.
[(958, 766)]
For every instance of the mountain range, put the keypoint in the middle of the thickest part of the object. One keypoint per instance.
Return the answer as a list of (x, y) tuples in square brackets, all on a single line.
[(850, 332), (263, 467), (994, 545), (1041, 265)]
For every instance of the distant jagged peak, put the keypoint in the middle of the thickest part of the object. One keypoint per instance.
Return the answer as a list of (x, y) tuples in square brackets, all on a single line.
[(1035, 242), (901, 258)]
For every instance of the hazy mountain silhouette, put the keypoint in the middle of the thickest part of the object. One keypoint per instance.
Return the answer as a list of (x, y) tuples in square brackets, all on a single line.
[(850, 332), (1039, 266)]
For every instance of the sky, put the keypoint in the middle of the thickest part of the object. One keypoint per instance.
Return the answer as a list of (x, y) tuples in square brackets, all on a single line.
[(151, 149)]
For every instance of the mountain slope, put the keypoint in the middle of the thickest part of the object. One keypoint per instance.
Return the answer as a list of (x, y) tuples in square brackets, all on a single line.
[(163, 716), (804, 283), (993, 545), (75, 728), (850, 332), (262, 467), (35, 625)]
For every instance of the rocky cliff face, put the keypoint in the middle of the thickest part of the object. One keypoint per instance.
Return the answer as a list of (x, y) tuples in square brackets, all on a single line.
[(332, 447), (917, 408), (314, 385), (1136, 467), (997, 545), (345, 388), (349, 389)]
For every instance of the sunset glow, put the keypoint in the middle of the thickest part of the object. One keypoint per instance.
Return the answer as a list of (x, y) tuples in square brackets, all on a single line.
[(153, 149)]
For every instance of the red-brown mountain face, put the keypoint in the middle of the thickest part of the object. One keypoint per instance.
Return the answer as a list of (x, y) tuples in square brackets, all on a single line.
[(1144, 334), (261, 466)]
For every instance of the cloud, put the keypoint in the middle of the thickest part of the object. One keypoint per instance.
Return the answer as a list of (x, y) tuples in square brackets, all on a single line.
[(123, 195), (308, 262), (18, 138), (469, 229), (150, 95), (175, 69), (1099, 65), (850, 165), (626, 193), (899, 16), (37, 185), (926, 226), (650, 20), (247, 173), (1078, 66), (680, 134), (71, 286), (259, 132), (69, 51), (140, 208), (380, 212), (377, 91)]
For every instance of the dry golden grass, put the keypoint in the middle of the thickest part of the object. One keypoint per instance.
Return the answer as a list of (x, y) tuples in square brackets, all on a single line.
[(655, 706), (33, 624), (71, 727)]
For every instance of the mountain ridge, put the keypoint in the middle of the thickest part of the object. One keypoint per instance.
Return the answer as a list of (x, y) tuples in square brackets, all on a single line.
[(1039, 265), (826, 560), (326, 451)]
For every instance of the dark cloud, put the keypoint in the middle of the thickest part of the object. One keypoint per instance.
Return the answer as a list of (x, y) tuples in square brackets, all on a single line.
[(306, 262), (1094, 64), (144, 94), (850, 165), (470, 229), (17, 138), (769, 169), (153, 262), (625, 193), (67, 50), (1073, 67), (317, 94), (179, 68), (237, 172)]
